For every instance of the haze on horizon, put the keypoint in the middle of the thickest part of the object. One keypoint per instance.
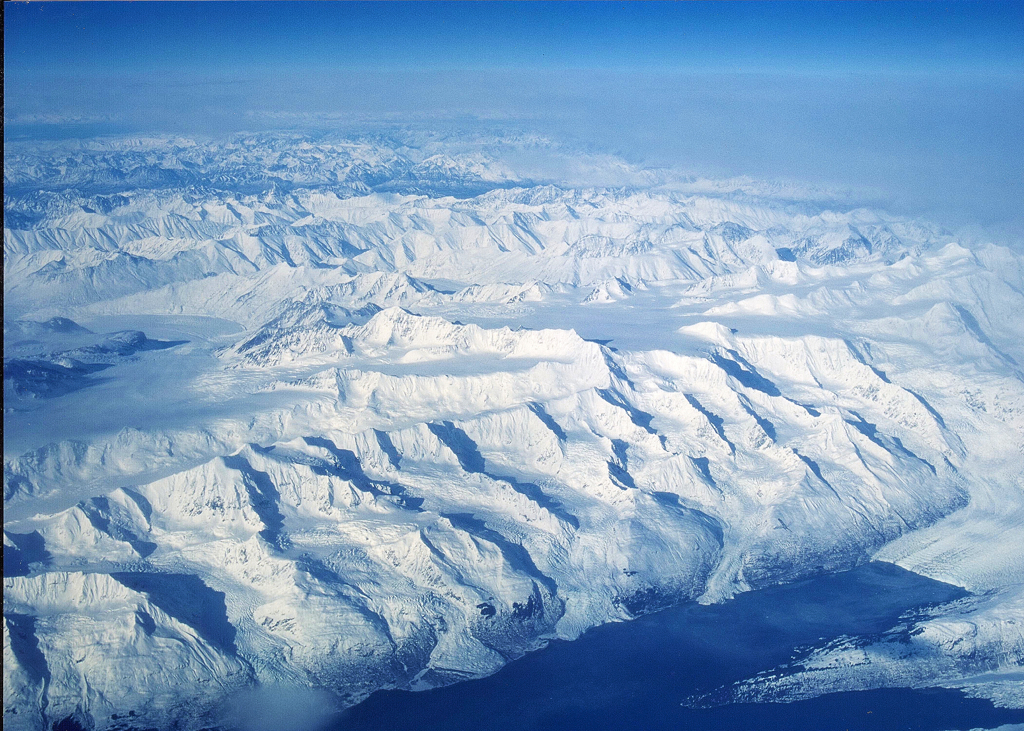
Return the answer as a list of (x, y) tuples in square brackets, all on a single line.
[(918, 103)]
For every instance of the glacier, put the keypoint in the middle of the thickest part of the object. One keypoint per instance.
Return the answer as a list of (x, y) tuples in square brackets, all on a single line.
[(342, 413)]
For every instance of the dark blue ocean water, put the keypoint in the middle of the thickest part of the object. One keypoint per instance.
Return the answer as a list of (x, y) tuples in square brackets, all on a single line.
[(635, 675)]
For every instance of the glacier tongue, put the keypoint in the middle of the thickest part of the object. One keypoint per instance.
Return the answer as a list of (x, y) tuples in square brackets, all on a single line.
[(393, 420)]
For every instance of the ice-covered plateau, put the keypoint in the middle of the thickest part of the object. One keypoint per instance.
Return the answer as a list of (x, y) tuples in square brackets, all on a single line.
[(383, 412)]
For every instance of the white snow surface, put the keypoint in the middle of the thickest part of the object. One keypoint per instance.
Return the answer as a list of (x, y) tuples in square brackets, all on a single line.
[(401, 415)]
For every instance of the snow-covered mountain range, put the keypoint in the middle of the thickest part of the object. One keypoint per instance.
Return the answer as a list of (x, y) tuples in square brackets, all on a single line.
[(389, 411)]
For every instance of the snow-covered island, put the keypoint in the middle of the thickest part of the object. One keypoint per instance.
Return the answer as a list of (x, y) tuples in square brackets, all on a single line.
[(353, 412)]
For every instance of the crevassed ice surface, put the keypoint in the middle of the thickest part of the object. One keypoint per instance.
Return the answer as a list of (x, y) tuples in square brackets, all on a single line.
[(383, 411)]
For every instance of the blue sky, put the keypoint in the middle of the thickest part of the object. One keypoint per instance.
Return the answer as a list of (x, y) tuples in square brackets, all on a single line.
[(784, 36), (921, 101)]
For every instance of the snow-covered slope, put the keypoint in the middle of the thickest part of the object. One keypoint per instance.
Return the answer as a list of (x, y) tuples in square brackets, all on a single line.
[(355, 414)]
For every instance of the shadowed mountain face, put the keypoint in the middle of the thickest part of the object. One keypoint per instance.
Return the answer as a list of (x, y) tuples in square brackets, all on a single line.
[(384, 412)]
